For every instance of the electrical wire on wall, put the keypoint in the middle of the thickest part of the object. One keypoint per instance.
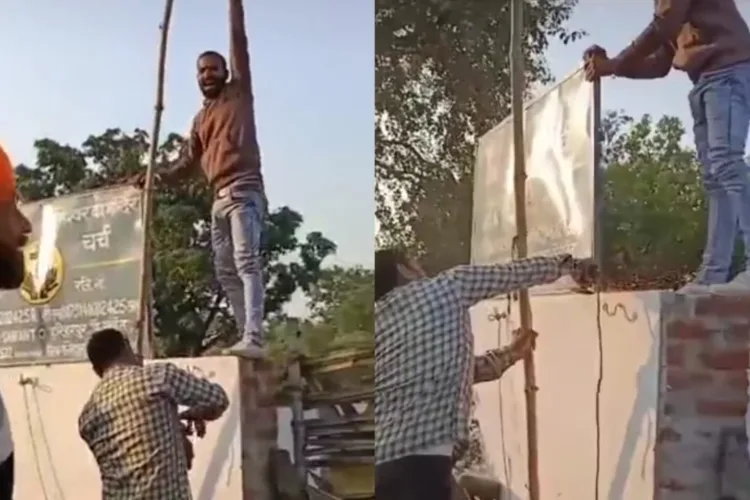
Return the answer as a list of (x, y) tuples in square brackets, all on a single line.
[(33, 383), (501, 318), (598, 395), (45, 442), (24, 381)]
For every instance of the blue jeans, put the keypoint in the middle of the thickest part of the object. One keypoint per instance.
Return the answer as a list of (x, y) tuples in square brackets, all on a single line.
[(720, 105), (236, 228)]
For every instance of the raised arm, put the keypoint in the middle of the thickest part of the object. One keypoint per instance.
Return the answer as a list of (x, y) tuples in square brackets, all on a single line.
[(239, 56), (205, 400), (478, 283)]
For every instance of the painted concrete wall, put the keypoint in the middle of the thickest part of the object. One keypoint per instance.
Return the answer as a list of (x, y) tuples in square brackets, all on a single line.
[(567, 372), (53, 463)]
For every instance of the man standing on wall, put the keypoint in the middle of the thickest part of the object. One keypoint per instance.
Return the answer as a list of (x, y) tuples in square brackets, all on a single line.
[(14, 233), (425, 365), (131, 422), (223, 142), (710, 41)]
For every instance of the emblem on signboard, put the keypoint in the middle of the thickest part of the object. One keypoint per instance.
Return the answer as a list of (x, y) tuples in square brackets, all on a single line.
[(44, 277)]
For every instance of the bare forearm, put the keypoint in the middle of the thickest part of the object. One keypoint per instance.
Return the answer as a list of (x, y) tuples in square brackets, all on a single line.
[(492, 364), (206, 413)]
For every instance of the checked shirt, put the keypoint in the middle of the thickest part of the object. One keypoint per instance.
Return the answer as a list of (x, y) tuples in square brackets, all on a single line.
[(131, 425), (424, 352)]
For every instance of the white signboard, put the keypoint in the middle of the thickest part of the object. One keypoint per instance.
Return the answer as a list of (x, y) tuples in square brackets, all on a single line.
[(560, 165)]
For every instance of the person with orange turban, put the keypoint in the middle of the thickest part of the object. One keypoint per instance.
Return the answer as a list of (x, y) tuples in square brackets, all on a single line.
[(14, 233)]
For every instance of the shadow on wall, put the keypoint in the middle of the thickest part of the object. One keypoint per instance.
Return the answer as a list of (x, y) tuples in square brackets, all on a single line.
[(643, 412), (567, 369)]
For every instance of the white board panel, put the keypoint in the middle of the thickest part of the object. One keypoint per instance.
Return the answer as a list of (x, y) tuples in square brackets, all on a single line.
[(560, 166)]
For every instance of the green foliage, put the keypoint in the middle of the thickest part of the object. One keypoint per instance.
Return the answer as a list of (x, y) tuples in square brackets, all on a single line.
[(441, 80), (191, 313), (655, 224), (342, 314)]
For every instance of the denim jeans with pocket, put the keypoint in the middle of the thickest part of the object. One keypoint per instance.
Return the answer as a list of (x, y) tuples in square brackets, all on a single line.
[(720, 105), (236, 229)]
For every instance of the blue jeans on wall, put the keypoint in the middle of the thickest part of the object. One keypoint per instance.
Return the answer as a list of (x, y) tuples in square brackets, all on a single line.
[(236, 229), (720, 105)]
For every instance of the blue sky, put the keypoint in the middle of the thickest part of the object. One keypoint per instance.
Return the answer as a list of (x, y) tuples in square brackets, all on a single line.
[(75, 70), (613, 24)]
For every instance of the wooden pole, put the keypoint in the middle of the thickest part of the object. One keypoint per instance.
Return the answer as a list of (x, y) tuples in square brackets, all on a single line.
[(518, 85), (145, 320)]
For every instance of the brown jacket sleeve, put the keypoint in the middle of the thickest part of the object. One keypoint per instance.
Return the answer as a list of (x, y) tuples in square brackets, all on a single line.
[(657, 65), (239, 56), (190, 155), (669, 16)]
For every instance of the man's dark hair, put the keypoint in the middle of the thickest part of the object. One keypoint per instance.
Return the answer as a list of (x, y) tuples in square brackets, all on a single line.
[(213, 53), (386, 270), (105, 347)]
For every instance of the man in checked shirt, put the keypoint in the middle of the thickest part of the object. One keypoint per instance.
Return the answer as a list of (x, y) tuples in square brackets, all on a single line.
[(132, 425), (425, 366)]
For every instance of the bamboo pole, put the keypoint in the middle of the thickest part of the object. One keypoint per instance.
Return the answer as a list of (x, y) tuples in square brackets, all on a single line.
[(145, 320), (518, 85)]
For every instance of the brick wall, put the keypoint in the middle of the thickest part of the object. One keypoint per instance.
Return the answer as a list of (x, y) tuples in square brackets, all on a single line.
[(701, 446), (258, 420)]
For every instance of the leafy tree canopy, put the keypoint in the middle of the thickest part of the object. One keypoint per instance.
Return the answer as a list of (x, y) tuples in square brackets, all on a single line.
[(342, 314), (655, 221), (442, 79), (191, 312)]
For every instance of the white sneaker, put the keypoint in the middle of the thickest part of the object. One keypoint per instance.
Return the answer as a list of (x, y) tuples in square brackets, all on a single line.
[(248, 348), (694, 288), (740, 285)]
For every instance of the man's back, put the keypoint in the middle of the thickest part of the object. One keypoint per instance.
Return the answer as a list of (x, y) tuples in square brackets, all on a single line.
[(131, 426)]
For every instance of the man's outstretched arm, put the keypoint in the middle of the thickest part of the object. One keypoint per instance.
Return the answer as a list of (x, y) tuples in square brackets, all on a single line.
[(190, 156), (478, 283), (239, 55)]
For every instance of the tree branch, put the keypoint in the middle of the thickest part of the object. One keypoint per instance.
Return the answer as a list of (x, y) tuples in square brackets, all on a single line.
[(210, 317), (406, 145)]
